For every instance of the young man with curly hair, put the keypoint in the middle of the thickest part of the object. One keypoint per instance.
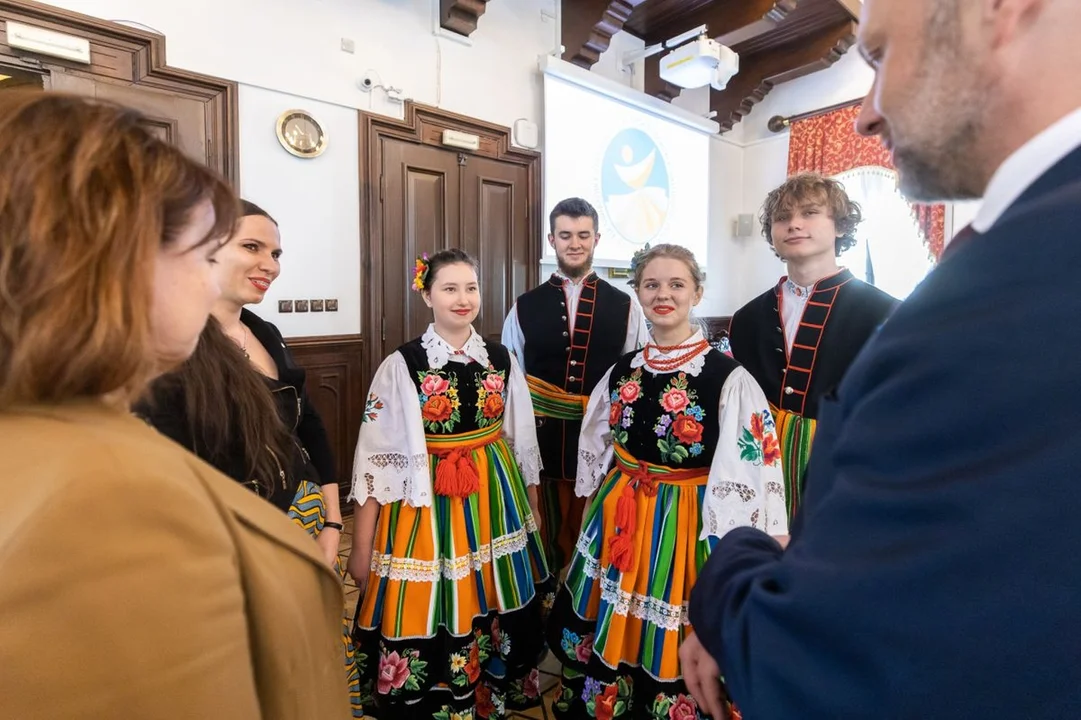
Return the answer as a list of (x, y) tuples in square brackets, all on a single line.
[(798, 338)]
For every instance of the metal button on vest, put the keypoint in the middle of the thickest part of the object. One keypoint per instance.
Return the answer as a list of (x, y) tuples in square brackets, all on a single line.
[(780, 330), (789, 390), (565, 333), (777, 349), (572, 378), (564, 317), (568, 349), (574, 362)]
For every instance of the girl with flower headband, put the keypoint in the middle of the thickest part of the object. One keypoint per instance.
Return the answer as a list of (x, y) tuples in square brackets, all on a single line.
[(677, 448), (446, 549)]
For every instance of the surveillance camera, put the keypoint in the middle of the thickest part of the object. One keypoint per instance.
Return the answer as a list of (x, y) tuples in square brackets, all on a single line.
[(366, 83)]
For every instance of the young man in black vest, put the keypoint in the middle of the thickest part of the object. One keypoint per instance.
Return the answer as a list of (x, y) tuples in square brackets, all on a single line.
[(566, 334), (798, 338)]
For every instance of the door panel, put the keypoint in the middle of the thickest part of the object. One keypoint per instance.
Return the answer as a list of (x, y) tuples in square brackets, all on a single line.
[(495, 229), (421, 213), (178, 120)]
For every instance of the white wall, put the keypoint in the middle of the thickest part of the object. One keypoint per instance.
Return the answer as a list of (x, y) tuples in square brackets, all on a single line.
[(287, 54), (315, 204)]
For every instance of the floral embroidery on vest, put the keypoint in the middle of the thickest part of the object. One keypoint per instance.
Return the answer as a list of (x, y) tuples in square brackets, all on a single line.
[(439, 400), (758, 444), (680, 430), (621, 414), (491, 389)]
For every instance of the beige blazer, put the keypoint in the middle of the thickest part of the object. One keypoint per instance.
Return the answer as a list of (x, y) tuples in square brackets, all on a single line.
[(138, 582)]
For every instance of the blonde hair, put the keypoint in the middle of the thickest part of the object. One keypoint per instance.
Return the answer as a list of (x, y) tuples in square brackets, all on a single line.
[(88, 196), (666, 250)]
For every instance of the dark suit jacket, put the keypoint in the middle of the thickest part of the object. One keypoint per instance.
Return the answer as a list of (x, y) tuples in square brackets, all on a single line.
[(934, 572)]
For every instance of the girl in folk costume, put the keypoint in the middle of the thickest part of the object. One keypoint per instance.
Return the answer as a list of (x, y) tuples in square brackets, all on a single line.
[(446, 550), (691, 445)]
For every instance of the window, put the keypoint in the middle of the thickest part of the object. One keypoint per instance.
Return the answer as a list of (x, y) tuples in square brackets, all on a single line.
[(890, 252)]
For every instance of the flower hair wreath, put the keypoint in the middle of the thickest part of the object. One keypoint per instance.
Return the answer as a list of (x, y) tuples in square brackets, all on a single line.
[(420, 272), (636, 259)]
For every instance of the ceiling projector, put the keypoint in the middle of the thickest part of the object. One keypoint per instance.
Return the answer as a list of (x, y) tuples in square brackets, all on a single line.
[(704, 61)]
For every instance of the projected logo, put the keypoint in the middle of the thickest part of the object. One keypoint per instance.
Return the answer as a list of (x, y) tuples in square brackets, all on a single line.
[(635, 186)]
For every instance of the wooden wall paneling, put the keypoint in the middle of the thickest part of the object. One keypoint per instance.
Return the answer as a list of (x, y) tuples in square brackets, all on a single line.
[(337, 386)]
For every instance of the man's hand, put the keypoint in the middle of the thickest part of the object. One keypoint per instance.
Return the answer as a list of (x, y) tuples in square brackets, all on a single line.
[(702, 676)]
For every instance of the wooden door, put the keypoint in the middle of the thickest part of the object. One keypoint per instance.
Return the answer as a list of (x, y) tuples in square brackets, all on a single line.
[(421, 213), (495, 229), (420, 195), (176, 119), (196, 112)]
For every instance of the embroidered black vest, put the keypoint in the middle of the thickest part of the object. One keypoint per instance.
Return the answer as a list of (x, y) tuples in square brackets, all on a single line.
[(458, 397), (841, 314), (671, 418), (574, 359)]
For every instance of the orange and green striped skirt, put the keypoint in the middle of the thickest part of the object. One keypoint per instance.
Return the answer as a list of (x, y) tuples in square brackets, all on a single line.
[(455, 591)]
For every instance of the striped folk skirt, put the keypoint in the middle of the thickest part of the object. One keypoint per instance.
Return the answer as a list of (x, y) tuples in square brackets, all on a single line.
[(309, 512), (621, 614), (796, 434), (449, 624)]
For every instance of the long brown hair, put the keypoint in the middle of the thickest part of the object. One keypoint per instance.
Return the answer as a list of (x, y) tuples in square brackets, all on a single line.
[(227, 400), (88, 196)]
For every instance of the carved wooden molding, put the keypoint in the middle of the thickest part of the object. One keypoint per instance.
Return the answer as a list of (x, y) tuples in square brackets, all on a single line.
[(461, 16), (758, 74), (138, 58), (588, 27), (726, 19)]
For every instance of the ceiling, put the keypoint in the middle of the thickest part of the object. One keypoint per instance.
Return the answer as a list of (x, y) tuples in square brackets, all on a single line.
[(777, 40)]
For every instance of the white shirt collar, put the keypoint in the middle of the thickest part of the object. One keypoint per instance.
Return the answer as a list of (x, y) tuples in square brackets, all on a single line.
[(692, 367), (1025, 166), (440, 352)]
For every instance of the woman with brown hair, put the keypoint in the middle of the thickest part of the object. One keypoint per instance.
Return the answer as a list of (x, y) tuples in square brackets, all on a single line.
[(135, 580), (240, 403)]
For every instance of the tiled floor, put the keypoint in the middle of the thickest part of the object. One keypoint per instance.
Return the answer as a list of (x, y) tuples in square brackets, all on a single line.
[(549, 668)]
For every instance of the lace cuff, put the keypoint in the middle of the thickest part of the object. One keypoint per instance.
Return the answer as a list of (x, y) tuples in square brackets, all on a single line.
[(591, 470), (529, 462), (389, 477), (732, 504)]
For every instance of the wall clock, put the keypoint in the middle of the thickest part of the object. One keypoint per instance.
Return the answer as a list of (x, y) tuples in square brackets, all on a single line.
[(301, 134)]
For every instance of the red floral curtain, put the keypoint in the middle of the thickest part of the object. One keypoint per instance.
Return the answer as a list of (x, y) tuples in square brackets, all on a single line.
[(829, 144)]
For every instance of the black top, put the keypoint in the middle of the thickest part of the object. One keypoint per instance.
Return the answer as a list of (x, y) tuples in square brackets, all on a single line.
[(313, 460), (474, 405), (634, 425), (841, 314), (574, 359)]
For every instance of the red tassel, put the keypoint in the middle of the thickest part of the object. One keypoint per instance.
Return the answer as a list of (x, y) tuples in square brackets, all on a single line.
[(468, 479), (446, 475), (620, 551), (626, 510), (456, 475)]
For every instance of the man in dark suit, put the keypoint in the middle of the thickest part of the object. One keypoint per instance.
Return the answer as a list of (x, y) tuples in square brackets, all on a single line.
[(932, 572)]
